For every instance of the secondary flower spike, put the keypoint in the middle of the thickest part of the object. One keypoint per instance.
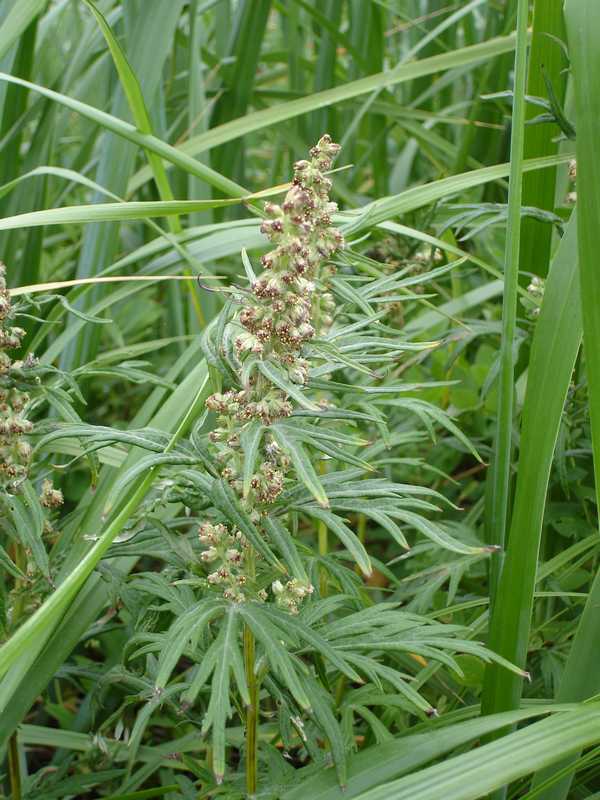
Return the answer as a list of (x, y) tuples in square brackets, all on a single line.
[(15, 452)]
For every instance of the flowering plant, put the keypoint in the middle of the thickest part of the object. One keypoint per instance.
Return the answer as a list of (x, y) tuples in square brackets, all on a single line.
[(263, 610)]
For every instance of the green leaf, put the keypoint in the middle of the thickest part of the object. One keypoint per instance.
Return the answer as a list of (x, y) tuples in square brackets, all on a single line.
[(185, 631), (376, 765), (28, 519), (250, 439), (22, 13), (345, 534), (226, 648), (109, 212), (7, 564), (580, 677), (302, 464), (276, 376), (277, 655), (555, 346), (286, 545)]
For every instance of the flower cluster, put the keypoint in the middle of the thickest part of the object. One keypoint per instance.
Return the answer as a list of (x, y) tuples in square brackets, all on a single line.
[(15, 452), (533, 302), (291, 594), (51, 497), (226, 553), (281, 317), (572, 194), (283, 313)]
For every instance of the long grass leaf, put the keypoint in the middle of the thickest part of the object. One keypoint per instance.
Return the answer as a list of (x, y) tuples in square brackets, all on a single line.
[(499, 475), (555, 346), (580, 678), (18, 19)]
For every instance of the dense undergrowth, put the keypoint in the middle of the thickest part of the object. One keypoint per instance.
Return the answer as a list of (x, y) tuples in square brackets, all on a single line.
[(297, 434)]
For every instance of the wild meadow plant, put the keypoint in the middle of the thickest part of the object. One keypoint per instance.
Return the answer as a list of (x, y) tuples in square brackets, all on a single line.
[(261, 613)]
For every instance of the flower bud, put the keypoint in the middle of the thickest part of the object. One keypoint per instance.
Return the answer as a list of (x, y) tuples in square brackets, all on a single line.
[(209, 555)]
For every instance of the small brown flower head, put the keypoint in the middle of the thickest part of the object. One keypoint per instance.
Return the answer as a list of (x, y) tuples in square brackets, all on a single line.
[(51, 497), (290, 595)]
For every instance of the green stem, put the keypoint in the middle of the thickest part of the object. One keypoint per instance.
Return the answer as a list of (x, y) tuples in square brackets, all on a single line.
[(323, 541), (252, 708), (14, 768)]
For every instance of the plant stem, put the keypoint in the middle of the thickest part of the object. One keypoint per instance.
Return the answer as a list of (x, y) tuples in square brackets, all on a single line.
[(14, 768), (252, 708), (323, 544)]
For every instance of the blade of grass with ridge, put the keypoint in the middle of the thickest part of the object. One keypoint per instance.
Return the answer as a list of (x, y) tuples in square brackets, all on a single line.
[(580, 678), (555, 345), (474, 774), (26, 268), (325, 66), (244, 50), (150, 37), (497, 497)]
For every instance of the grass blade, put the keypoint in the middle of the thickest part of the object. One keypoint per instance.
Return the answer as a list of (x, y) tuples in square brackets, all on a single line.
[(499, 475), (294, 108), (19, 17), (469, 776), (580, 678), (555, 346)]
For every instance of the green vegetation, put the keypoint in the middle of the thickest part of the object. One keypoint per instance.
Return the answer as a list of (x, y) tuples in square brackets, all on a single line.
[(299, 399)]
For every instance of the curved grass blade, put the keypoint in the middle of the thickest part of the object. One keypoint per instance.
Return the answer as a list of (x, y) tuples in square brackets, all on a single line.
[(467, 56)]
